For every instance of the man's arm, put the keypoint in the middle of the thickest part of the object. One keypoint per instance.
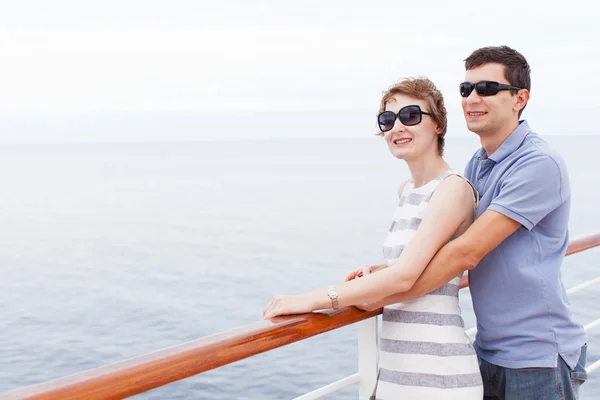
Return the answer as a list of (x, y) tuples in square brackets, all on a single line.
[(529, 192), (459, 255)]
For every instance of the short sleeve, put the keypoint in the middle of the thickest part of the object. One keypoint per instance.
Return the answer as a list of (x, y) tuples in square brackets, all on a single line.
[(532, 190)]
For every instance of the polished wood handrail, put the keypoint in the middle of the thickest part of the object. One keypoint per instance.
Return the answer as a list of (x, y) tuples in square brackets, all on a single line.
[(149, 371), (143, 373)]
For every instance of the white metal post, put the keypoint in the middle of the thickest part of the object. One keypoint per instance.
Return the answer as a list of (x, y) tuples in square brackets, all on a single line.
[(367, 357)]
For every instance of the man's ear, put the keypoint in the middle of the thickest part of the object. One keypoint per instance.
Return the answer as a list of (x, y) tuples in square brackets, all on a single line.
[(521, 99)]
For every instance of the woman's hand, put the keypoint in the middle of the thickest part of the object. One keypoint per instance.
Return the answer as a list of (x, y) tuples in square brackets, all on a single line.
[(286, 305), (365, 270)]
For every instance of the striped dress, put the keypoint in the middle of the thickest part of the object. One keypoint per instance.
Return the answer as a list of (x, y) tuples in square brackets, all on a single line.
[(424, 352)]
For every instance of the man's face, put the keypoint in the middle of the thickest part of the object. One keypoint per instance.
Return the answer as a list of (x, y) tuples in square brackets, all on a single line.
[(486, 115)]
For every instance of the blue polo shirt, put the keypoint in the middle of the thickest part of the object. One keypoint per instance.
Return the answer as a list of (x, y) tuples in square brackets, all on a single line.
[(523, 315)]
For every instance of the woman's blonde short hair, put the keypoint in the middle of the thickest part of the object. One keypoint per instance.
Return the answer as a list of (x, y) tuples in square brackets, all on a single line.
[(423, 89)]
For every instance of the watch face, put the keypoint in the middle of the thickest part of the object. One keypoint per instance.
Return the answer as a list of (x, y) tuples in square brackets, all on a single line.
[(332, 293)]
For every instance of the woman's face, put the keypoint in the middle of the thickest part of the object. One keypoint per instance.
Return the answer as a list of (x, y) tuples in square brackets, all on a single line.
[(410, 142)]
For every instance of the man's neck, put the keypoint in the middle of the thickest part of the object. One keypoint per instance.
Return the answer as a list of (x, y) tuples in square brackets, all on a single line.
[(492, 142)]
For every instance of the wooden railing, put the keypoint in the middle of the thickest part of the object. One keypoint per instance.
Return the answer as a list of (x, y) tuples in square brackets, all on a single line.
[(143, 373)]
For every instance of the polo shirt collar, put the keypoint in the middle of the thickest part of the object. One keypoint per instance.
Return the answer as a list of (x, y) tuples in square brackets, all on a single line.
[(512, 143)]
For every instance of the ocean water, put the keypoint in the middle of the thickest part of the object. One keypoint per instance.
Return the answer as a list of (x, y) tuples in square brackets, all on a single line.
[(110, 251)]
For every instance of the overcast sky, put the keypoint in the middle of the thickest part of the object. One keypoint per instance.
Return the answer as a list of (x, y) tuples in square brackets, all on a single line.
[(79, 70)]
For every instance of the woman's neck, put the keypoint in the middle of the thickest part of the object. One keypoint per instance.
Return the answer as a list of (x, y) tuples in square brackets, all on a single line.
[(425, 169)]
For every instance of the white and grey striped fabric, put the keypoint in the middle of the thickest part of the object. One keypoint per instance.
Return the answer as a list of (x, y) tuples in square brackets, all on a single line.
[(424, 351)]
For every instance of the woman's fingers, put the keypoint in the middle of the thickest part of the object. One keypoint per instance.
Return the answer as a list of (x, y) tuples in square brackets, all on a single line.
[(350, 276), (354, 274), (272, 309), (268, 315), (366, 270), (363, 271), (269, 305)]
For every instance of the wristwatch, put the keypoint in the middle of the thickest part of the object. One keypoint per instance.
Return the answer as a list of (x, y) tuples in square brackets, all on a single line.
[(333, 296)]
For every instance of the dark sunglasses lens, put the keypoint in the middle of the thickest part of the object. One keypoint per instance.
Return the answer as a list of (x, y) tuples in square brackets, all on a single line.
[(386, 121), (487, 88), (410, 115), (465, 89)]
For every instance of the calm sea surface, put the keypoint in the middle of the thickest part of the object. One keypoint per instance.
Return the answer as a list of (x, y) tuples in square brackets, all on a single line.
[(110, 251)]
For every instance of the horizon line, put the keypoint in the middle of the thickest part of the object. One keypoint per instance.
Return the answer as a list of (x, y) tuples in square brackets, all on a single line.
[(238, 138)]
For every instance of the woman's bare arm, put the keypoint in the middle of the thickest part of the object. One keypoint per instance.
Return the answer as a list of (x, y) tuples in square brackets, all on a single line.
[(449, 209)]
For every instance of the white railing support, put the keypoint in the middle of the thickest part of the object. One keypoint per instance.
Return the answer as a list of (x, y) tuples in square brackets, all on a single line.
[(583, 285), (367, 357), (331, 388), (593, 367)]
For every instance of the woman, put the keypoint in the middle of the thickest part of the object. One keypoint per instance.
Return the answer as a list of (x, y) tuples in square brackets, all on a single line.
[(424, 351)]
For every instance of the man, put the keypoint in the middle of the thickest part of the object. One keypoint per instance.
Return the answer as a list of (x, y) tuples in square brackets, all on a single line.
[(528, 345)]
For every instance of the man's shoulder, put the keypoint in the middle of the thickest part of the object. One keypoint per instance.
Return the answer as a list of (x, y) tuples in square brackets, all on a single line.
[(536, 150), (538, 163)]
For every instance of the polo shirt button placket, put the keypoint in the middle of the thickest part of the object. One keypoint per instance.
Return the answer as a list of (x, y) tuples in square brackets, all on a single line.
[(480, 185)]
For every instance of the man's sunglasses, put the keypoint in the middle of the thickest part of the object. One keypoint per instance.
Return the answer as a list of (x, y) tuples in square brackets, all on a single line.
[(484, 88), (408, 115)]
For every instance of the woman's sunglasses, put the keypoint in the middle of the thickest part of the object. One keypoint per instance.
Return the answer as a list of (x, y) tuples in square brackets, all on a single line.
[(484, 88), (408, 115)]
